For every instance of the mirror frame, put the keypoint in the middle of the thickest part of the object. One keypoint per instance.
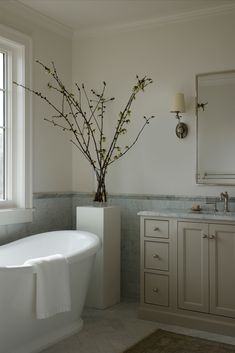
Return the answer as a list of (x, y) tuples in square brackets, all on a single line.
[(220, 181)]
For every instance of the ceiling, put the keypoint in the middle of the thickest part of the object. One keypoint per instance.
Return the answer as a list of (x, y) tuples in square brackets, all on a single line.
[(83, 15)]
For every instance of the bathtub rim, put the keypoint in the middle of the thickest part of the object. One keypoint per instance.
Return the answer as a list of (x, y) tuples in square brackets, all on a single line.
[(73, 257)]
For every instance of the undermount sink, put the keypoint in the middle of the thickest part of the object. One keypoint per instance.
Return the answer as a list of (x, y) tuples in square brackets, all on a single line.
[(204, 214), (212, 212)]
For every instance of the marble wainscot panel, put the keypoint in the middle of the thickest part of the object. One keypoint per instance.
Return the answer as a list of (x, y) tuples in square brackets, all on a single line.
[(51, 212), (130, 205)]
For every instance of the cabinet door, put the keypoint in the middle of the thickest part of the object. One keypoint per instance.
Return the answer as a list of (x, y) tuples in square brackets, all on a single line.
[(222, 269), (193, 266)]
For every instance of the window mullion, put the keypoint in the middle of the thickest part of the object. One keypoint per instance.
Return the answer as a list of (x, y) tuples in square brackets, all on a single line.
[(5, 163), (2, 127), (8, 131)]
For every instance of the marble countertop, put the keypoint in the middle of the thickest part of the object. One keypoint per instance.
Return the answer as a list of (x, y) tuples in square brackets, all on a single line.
[(189, 214)]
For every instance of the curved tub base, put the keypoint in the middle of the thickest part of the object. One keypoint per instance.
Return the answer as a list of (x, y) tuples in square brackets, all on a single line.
[(55, 336), (20, 329)]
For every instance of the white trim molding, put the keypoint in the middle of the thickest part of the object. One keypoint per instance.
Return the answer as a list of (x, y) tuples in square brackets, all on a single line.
[(151, 23), (25, 12), (17, 208), (16, 215)]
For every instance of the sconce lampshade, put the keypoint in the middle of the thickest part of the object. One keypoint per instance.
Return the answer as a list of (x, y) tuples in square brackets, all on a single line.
[(178, 103)]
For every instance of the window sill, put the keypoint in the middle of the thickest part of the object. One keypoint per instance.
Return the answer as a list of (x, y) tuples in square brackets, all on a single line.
[(16, 215)]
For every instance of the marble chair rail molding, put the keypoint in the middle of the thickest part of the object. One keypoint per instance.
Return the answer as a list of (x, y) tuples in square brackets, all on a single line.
[(57, 211)]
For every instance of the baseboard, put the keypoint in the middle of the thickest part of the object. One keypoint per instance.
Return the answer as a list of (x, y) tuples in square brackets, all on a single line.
[(46, 341), (213, 324)]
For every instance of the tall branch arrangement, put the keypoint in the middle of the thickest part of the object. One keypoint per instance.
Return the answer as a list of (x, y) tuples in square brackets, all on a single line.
[(83, 115)]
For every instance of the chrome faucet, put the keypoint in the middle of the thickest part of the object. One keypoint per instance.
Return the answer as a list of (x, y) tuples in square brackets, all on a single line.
[(224, 197)]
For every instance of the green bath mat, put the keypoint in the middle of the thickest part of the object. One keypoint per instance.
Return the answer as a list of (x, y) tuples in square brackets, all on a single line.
[(169, 342)]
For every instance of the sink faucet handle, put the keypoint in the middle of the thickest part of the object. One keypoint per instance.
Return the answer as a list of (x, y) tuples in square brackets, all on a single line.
[(224, 197)]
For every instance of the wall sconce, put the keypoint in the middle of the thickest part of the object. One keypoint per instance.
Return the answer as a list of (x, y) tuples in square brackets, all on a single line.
[(202, 106), (178, 106)]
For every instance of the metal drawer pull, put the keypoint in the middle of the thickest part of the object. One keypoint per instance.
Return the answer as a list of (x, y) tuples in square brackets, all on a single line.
[(156, 229), (155, 290), (205, 236), (212, 236), (156, 256)]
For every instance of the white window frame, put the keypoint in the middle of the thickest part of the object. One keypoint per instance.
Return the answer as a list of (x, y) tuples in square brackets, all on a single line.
[(17, 208)]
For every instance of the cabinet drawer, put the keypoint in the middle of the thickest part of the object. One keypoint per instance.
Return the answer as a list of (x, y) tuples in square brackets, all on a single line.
[(156, 228), (156, 255), (156, 289)]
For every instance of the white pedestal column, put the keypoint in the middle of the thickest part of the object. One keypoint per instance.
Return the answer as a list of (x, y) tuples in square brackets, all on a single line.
[(104, 290)]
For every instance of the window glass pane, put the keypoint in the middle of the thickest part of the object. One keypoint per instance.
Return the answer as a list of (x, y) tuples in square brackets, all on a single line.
[(1, 70), (1, 108), (1, 165)]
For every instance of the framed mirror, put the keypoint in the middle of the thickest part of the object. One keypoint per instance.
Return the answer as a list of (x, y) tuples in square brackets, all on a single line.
[(215, 111)]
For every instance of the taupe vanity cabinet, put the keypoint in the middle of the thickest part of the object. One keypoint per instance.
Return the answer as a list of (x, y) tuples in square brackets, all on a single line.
[(155, 278), (188, 272), (222, 269), (193, 266), (206, 268)]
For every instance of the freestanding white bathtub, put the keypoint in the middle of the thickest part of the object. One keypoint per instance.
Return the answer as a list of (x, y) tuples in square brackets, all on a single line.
[(20, 330)]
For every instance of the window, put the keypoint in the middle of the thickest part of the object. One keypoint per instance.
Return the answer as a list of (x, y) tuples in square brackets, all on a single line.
[(15, 128), (3, 116)]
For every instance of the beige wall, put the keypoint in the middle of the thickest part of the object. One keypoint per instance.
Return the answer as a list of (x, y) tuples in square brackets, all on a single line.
[(172, 54), (51, 150)]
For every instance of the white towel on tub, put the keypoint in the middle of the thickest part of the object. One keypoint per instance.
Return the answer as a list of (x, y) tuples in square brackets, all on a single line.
[(52, 285)]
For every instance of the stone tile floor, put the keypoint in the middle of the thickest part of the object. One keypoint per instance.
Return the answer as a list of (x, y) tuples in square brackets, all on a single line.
[(117, 328)]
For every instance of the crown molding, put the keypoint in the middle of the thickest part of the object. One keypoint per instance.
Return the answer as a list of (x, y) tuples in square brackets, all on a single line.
[(140, 25), (24, 12), (20, 10)]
